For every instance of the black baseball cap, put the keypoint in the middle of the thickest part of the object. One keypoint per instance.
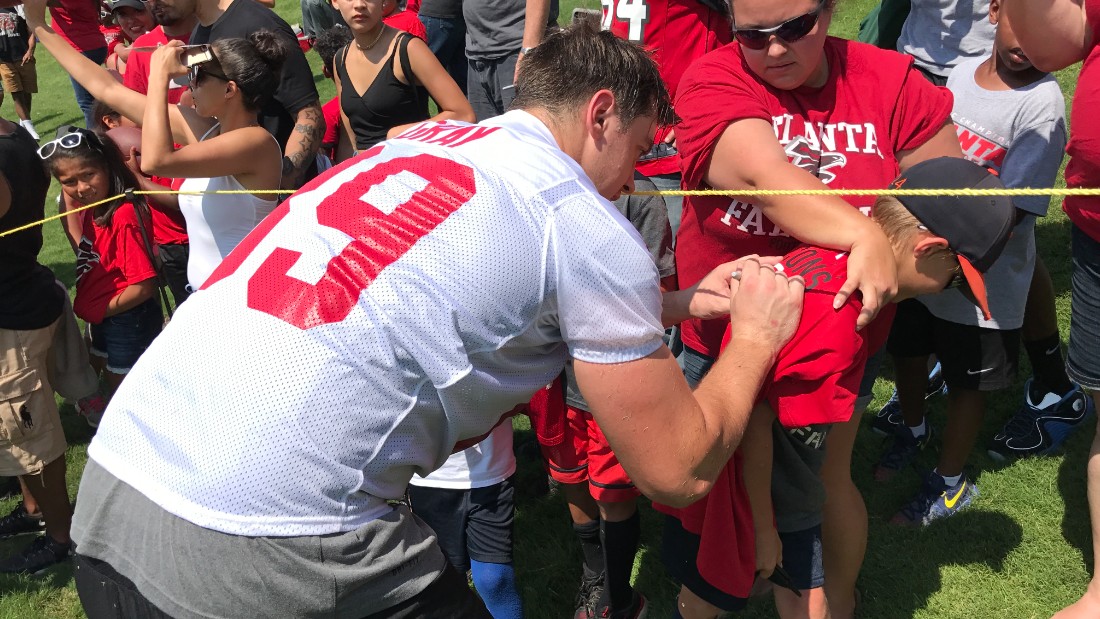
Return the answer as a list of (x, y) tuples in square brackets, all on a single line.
[(133, 4), (976, 227)]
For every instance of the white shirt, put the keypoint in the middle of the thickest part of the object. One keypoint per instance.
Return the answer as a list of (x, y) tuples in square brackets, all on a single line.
[(315, 373), (486, 464)]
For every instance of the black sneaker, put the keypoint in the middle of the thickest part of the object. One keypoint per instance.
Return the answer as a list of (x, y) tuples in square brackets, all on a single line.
[(19, 522), (1042, 424), (588, 595), (901, 453), (40, 555)]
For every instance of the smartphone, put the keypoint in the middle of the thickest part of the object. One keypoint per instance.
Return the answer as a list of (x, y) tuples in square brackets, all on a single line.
[(196, 54)]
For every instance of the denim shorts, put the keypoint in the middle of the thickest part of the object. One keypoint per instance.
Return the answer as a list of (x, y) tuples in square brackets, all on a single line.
[(1083, 363), (695, 365), (123, 337), (803, 558)]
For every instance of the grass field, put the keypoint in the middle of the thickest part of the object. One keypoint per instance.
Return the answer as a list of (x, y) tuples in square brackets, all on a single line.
[(1022, 551)]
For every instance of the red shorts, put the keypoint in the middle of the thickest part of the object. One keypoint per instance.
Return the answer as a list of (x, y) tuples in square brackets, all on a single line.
[(584, 455)]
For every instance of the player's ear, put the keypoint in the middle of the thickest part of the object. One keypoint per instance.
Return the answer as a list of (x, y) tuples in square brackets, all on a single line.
[(598, 113), (928, 244)]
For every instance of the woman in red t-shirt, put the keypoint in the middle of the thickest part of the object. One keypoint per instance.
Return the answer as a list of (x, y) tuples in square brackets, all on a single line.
[(788, 107), (115, 277)]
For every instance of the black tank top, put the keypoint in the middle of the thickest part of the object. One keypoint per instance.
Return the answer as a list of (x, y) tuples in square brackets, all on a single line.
[(386, 103)]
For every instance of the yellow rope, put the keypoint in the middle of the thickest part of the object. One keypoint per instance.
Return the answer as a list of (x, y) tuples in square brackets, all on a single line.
[(1020, 191)]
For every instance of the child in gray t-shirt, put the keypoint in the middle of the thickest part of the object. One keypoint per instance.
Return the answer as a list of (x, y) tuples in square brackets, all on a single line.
[(1010, 118)]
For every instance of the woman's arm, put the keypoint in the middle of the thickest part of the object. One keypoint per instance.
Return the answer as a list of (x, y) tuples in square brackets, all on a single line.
[(944, 144), (348, 141), (1053, 33), (441, 86), (826, 221), (133, 296)]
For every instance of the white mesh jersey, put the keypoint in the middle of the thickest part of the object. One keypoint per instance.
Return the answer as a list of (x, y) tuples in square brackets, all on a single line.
[(397, 305)]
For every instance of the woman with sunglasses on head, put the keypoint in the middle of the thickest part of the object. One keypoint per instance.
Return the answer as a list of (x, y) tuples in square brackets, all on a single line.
[(788, 107), (222, 147), (115, 277)]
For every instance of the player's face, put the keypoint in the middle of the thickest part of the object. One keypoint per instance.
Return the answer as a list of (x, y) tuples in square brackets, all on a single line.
[(784, 63), (624, 145)]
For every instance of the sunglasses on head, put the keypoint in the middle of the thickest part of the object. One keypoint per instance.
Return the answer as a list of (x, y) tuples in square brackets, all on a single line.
[(73, 138), (790, 31)]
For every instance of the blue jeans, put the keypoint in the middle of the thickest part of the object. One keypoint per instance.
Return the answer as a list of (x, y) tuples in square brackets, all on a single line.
[(695, 364), (123, 337), (491, 85), (84, 99), (1083, 360), (447, 40), (318, 16)]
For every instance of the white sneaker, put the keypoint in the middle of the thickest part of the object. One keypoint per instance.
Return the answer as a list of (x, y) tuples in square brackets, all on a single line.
[(29, 126)]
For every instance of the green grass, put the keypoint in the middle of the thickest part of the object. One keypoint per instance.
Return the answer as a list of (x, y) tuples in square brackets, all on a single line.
[(1022, 551)]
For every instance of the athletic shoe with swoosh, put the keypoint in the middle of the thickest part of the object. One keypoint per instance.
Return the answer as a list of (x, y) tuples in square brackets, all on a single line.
[(936, 500), (1041, 428), (889, 416)]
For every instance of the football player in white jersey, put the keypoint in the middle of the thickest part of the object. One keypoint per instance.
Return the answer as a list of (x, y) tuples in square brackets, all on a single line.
[(389, 313)]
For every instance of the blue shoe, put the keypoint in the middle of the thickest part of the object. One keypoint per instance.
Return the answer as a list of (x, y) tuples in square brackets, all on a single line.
[(936, 500), (902, 451), (889, 416), (1040, 428)]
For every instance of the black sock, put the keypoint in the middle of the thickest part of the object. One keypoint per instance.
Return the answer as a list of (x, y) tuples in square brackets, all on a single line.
[(1048, 366), (591, 546), (620, 544)]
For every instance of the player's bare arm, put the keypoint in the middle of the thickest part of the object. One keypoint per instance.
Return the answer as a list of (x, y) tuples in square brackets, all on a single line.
[(1062, 39), (646, 402)]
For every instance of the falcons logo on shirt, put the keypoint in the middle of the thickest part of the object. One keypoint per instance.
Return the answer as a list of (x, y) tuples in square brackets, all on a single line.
[(809, 157), (86, 257)]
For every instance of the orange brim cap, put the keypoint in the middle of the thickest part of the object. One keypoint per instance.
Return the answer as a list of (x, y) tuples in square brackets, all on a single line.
[(975, 284)]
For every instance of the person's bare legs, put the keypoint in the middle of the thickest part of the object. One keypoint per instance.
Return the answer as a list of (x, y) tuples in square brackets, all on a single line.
[(965, 410), (22, 103), (812, 604), (844, 528), (51, 496), (1088, 607), (911, 379), (692, 606)]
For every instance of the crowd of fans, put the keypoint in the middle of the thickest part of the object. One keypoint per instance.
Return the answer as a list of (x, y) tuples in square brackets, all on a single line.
[(334, 371)]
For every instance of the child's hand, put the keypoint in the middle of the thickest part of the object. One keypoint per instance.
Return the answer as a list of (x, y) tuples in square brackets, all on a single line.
[(133, 161), (29, 56), (769, 550)]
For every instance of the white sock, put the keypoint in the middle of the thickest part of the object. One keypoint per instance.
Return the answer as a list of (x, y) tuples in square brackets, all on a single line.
[(918, 431), (951, 481), (29, 126)]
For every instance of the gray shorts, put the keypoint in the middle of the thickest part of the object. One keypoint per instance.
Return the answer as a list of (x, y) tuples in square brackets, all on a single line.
[(191, 572), (1083, 363)]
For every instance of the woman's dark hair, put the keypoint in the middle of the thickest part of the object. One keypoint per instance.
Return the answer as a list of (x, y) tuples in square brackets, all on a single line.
[(572, 65), (99, 150), (254, 63)]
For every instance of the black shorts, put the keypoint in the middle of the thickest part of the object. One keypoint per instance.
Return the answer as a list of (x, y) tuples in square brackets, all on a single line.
[(173, 265), (802, 557), (679, 552), (972, 357), (470, 524)]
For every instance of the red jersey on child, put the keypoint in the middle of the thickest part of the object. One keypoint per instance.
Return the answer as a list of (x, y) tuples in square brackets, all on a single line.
[(815, 380), (169, 226), (331, 110), (138, 67), (108, 260), (848, 133), (409, 22), (1083, 169), (677, 32)]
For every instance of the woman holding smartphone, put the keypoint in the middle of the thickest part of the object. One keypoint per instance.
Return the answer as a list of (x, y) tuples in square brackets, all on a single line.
[(221, 145), (384, 77)]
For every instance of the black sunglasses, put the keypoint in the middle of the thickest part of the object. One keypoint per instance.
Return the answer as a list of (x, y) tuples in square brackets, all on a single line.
[(790, 31), (195, 73)]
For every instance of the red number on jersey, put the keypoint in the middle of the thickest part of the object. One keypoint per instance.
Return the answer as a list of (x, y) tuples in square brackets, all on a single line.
[(380, 235)]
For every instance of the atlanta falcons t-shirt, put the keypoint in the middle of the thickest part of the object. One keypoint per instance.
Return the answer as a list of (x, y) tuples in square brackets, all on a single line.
[(847, 133), (397, 305), (108, 260), (676, 32)]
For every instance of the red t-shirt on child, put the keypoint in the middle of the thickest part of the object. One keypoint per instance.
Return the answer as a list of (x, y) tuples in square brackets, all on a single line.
[(169, 226), (331, 111), (815, 380), (108, 260), (409, 22), (1083, 169), (848, 133)]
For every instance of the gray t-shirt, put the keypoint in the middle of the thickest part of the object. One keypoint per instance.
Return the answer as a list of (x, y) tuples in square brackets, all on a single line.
[(494, 28), (1021, 135), (940, 34), (649, 215)]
